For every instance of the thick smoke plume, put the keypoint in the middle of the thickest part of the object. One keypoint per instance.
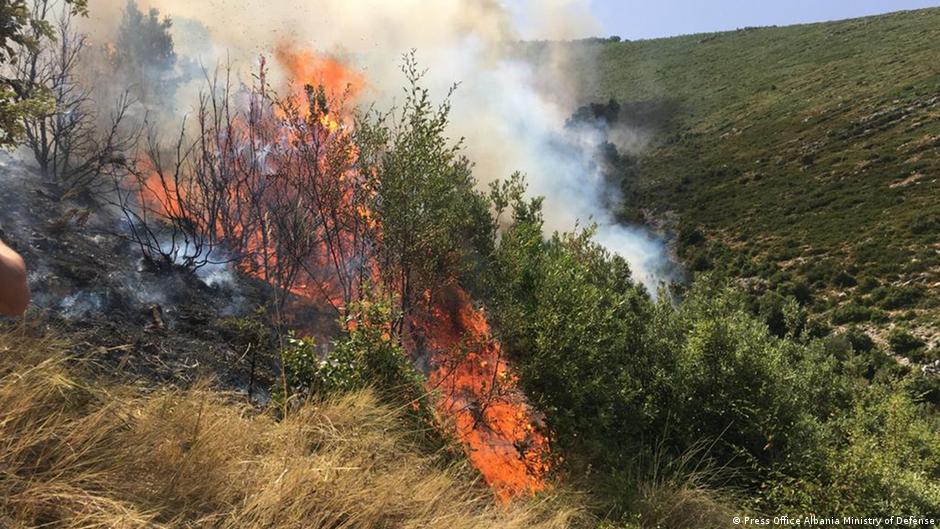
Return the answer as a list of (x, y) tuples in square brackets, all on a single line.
[(510, 113)]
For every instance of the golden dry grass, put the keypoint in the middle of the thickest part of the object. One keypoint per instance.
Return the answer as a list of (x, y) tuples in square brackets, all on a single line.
[(76, 454), (679, 493)]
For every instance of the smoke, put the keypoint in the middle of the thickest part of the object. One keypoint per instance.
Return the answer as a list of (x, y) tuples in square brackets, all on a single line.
[(510, 110)]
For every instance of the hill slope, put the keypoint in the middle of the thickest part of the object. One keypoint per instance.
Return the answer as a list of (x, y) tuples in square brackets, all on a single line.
[(805, 156)]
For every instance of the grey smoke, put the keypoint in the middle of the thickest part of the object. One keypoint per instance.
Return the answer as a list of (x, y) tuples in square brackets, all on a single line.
[(510, 112)]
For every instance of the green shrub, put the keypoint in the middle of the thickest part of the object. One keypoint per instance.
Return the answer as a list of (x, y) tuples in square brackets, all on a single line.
[(365, 354), (893, 298), (309, 373), (885, 457), (799, 289), (850, 313), (927, 388), (867, 283), (921, 355), (844, 279), (925, 223), (903, 343), (625, 381), (859, 340)]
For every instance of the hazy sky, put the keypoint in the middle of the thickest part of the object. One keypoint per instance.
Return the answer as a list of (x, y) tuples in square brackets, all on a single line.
[(638, 19)]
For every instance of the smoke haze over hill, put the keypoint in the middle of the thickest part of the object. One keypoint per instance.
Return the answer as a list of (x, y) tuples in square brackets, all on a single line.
[(510, 114)]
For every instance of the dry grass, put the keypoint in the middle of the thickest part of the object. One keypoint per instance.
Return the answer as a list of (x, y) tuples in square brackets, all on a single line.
[(74, 454), (680, 493)]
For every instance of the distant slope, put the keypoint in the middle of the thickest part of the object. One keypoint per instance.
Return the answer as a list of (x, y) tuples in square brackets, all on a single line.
[(808, 153)]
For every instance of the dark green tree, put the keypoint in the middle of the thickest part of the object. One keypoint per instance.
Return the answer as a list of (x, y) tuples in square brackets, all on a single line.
[(146, 54)]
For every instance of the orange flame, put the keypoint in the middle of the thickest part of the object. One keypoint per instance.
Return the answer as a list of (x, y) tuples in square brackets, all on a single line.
[(306, 67), (501, 433)]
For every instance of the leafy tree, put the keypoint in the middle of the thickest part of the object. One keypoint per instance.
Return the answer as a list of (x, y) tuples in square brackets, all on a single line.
[(23, 29), (433, 220), (145, 53)]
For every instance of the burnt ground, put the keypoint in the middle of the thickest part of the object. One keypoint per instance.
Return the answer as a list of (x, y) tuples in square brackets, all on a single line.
[(89, 285)]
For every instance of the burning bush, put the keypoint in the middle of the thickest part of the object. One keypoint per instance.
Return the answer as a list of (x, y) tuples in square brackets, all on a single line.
[(272, 187), (319, 202)]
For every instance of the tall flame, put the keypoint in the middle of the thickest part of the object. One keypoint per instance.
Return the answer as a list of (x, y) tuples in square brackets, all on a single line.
[(479, 394)]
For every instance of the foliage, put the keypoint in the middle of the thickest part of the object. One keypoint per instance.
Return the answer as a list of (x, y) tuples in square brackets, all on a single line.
[(145, 54), (903, 342), (880, 455), (852, 313), (21, 32), (859, 340), (615, 371), (366, 354), (433, 220)]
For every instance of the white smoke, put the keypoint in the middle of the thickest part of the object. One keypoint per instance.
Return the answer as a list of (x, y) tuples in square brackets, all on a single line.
[(510, 113)]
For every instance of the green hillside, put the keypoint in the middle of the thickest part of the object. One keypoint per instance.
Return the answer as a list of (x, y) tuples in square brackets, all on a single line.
[(805, 156)]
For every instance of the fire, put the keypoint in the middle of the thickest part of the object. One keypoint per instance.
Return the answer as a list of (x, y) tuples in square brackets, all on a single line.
[(479, 394), (309, 165), (306, 67), (159, 192)]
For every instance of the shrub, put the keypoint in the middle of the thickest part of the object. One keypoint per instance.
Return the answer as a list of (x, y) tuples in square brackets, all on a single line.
[(927, 388), (309, 373), (859, 339), (925, 223), (700, 262), (862, 470), (850, 313), (689, 236), (844, 279), (612, 371), (799, 289), (903, 343), (893, 298), (867, 283), (366, 354)]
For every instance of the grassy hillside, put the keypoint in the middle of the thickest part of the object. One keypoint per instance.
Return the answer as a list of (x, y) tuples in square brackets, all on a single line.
[(806, 156)]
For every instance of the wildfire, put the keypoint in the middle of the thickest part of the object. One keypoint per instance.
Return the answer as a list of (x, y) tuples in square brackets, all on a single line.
[(306, 67), (478, 394)]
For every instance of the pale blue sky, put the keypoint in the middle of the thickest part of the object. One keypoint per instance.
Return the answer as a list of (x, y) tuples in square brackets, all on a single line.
[(639, 19)]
